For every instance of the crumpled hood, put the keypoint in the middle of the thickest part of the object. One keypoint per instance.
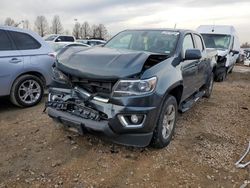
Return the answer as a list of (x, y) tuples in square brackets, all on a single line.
[(222, 52), (219, 51), (101, 62)]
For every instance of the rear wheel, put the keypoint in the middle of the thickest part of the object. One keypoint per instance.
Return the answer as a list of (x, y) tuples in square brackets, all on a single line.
[(209, 86), (27, 91), (164, 130)]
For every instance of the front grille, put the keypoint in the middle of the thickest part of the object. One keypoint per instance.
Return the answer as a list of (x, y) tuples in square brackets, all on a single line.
[(103, 88)]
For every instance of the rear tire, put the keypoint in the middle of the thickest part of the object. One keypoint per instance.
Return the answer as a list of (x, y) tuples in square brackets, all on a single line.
[(27, 91), (166, 123), (209, 86)]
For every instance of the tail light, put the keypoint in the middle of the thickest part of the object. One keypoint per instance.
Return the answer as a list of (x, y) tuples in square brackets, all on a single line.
[(52, 54)]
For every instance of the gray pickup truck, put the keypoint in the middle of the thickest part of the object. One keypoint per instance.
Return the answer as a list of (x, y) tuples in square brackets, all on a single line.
[(131, 89)]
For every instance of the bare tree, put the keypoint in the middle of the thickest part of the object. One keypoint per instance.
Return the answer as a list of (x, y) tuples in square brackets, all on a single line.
[(94, 29), (85, 30), (41, 25), (67, 32), (101, 31), (26, 24), (56, 27), (77, 30), (9, 22), (245, 45)]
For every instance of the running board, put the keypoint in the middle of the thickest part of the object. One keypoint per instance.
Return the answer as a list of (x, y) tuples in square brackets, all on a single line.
[(186, 105)]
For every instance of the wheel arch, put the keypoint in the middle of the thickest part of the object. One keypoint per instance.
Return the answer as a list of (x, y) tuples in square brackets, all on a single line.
[(176, 90), (34, 73)]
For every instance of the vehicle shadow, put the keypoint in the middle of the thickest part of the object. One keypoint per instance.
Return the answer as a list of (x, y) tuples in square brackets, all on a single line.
[(6, 105)]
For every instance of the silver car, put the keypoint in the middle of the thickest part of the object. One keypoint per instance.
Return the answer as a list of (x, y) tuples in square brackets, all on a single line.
[(25, 66)]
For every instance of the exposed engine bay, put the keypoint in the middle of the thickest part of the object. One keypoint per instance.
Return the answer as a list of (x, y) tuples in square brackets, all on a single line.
[(75, 102)]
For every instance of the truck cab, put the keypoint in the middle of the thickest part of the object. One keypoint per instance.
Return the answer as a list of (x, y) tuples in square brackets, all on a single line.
[(132, 88)]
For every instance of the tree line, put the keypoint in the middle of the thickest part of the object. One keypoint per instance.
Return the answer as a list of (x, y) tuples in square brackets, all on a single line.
[(42, 27), (245, 45)]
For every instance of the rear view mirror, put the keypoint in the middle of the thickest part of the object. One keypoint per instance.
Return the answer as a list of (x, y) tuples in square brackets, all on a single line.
[(192, 54)]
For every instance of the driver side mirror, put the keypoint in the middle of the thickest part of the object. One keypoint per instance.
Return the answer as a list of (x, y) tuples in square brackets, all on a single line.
[(193, 54), (234, 52)]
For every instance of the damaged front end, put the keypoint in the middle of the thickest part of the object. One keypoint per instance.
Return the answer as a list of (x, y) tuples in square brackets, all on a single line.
[(221, 63), (118, 108), (221, 69)]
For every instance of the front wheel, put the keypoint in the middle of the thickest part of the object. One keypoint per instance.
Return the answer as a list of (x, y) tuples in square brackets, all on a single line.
[(27, 91), (166, 123), (221, 75)]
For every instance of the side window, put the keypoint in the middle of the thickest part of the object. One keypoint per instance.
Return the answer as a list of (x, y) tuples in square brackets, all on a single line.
[(188, 43), (5, 43), (69, 39), (24, 41), (59, 39), (199, 42)]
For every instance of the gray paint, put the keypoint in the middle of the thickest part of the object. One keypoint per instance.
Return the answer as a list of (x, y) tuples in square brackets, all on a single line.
[(189, 75)]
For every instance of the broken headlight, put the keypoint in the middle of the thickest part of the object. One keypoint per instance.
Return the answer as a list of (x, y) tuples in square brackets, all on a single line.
[(134, 87), (59, 76)]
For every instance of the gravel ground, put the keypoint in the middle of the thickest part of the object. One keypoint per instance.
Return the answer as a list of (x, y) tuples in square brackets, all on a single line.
[(209, 139)]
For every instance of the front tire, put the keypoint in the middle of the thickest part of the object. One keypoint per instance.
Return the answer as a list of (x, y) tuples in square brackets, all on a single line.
[(27, 91), (166, 123), (221, 75)]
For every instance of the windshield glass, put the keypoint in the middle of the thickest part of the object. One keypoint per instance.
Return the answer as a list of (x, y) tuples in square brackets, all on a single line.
[(50, 38), (163, 42), (217, 41)]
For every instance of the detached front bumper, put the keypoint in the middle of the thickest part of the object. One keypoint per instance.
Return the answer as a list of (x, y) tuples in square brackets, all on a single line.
[(112, 128)]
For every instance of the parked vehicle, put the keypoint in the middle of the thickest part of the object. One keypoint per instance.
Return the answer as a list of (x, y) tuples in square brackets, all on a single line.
[(132, 88), (92, 42), (247, 57), (241, 56), (226, 41), (59, 38), (57, 47), (25, 66)]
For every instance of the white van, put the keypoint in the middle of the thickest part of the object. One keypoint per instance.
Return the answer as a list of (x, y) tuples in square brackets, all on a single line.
[(225, 40)]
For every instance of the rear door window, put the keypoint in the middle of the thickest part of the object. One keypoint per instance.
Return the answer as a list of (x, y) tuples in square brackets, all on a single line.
[(69, 39), (5, 42), (65, 39), (24, 41)]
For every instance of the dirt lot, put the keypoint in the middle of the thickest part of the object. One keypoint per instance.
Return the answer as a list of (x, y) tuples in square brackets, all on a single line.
[(209, 139)]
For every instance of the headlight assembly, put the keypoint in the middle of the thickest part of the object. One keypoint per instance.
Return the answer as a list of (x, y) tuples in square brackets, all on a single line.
[(59, 76), (134, 87)]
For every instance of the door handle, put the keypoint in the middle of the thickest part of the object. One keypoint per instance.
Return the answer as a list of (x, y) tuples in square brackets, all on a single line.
[(15, 60)]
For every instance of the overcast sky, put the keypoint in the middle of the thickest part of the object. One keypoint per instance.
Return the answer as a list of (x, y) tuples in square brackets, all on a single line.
[(122, 14)]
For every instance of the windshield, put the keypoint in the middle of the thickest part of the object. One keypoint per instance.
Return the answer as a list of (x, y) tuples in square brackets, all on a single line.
[(50, 38), (216, 41), (163, 42)]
